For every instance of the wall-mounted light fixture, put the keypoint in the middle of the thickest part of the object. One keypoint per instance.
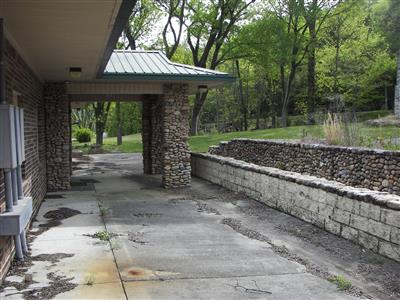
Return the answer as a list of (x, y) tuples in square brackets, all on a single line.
[(75, 72), (202, 89)]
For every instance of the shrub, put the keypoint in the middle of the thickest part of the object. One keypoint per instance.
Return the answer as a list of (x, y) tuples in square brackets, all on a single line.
[(333, 129), (83, 135), (343, 131)]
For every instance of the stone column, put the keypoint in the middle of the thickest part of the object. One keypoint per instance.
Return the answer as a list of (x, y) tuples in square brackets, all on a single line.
[(397, 88), (151, 135), (58, 136), (146, 136), (175, 129)]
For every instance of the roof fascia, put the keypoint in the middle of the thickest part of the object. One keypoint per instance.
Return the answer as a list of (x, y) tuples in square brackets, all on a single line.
[(122, 18), (114, 76)]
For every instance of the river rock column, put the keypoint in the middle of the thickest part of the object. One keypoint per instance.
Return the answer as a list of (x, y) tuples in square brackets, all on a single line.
[(58, 137), (152, 134), (176, 171), (146, 136)]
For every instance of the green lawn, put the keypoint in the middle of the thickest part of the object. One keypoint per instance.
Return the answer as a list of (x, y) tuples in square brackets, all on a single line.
[(132, 143)]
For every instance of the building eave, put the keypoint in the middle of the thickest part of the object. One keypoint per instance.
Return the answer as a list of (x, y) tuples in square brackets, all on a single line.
[(122, 18)]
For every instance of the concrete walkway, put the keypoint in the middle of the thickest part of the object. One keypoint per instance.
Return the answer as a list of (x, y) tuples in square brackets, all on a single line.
[(119, 235)]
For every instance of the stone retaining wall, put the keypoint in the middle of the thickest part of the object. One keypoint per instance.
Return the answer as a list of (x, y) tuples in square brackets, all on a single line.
[(368, 218), (359, 167)]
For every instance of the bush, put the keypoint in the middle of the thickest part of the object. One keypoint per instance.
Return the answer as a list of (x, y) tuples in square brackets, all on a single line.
[(83, 135), (343, 131), (333, 129)]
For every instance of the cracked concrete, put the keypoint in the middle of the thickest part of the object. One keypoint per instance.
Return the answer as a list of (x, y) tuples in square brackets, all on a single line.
[(192, 243)]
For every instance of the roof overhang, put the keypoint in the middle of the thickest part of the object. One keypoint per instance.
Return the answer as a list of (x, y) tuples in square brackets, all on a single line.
[(137, 87), (132, 75), (54, 35)]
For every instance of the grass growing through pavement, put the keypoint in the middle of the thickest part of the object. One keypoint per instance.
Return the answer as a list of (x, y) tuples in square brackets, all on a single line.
[(133, 143), (341, 282)]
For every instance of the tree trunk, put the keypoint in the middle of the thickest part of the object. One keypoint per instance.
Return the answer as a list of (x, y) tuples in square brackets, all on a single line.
[(99, 133), (119, 127), (101, 113), (311, 73), (284, 116), (243, 107), (286, 94), (386, 107), (198, 105), (337, 52), (397, 88)]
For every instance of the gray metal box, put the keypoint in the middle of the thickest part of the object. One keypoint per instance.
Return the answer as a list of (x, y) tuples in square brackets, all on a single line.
[(8, 151), (12, 223)]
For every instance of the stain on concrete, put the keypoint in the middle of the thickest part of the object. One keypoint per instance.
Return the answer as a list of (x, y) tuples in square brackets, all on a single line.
[(146, 215), (54, 196), (57, 285), (205, 208), (137, 238), (61, 213)]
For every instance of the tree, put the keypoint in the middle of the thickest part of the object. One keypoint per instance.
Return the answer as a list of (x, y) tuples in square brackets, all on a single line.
[(83, 117), (101, 110), (141, 21), (242, 101), (209, 27), (130, 119), (390, 23), (174, 25), (315, 13), (277, 41), (354, 63), (119, 125)]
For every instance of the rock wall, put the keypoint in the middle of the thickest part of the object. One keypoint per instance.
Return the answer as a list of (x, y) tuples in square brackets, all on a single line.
[(368, 218), (373, 169), (58, 137), (175, 131), (151, 135), (165, 130), (156, 141)]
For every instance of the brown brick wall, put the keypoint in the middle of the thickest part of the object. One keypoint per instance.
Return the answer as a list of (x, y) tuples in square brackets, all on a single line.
[(20, 78)]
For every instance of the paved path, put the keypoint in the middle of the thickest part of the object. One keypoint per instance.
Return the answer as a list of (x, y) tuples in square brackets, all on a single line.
[(202, 242)]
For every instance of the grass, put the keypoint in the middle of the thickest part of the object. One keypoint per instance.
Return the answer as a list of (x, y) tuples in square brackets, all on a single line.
[(103, 211), (341, 282), (132, 143), (104, 235), (89, 279)]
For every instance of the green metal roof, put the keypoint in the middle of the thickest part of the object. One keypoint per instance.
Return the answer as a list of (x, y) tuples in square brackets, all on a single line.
[(154, 65)]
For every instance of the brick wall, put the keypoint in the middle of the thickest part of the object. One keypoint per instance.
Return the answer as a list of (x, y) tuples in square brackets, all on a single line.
[(20, 78), (368, 218), (377, 170)]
